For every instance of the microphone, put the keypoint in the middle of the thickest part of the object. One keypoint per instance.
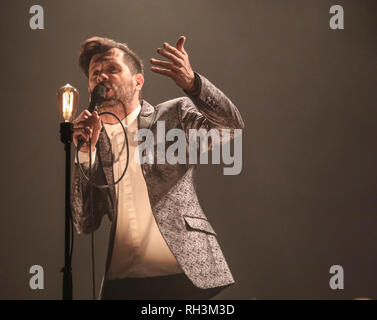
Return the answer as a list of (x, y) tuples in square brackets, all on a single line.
[(96, 98)]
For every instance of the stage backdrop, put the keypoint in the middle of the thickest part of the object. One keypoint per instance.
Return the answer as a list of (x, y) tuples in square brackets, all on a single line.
[(305, 199)]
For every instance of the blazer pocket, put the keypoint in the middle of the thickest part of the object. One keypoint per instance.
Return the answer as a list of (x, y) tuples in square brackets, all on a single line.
[(199, 224)]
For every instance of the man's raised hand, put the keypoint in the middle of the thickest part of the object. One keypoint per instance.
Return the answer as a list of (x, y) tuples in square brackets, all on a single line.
[(178, 67)]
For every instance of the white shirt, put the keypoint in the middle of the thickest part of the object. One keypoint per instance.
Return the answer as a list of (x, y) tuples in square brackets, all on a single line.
[(139, 248)]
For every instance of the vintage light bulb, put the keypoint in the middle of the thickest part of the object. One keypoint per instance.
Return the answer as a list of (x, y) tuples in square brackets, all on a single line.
[(68, 100)]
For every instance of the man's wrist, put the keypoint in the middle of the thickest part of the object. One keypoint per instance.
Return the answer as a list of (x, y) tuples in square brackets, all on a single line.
[(196, 88)]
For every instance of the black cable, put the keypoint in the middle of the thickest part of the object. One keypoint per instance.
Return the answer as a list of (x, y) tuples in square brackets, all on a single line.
[(92, 217), (93, 268), (91, 184), (102, 186), (72, 239)]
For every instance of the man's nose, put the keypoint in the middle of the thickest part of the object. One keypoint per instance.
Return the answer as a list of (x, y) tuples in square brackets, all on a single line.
[(102, 77)]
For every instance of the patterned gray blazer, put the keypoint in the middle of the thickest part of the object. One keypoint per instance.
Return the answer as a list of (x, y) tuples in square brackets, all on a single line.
[(171, 189)]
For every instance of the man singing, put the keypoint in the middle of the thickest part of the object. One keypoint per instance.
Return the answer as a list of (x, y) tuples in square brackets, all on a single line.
[(161, 244)]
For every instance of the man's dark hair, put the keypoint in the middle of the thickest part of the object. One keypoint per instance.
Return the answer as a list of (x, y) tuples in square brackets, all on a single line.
[(95, 45)]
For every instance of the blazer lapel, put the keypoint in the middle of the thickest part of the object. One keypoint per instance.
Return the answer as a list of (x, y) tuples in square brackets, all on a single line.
[(145, 120), (106, 161), (146, 116)]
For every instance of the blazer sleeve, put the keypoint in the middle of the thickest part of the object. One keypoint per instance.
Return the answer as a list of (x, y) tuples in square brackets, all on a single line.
[(209, 108)]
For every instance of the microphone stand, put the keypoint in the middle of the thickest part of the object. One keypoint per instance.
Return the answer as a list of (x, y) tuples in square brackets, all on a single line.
[(66, 131)]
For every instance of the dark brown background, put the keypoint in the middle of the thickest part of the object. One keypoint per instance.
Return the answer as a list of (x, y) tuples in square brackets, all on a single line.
[(305, 199)]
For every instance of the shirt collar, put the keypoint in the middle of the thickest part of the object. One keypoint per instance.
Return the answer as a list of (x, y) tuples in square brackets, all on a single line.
[(129, 122), (131, 117)]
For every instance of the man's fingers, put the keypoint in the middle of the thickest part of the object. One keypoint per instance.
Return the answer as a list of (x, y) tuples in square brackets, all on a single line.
[(170, 56), (81, 135), (78, 128), (83, 116), (81, 124), (86, 126), (85, 119), (78, 125), (173, 50), (165, 64), (180, 42), (165, 72), (83, 129)]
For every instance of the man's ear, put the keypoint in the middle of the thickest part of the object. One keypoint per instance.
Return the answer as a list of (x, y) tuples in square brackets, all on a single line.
[(139, 81)]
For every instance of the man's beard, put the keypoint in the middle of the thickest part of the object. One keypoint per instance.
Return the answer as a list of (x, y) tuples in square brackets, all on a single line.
[(122, 95)]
